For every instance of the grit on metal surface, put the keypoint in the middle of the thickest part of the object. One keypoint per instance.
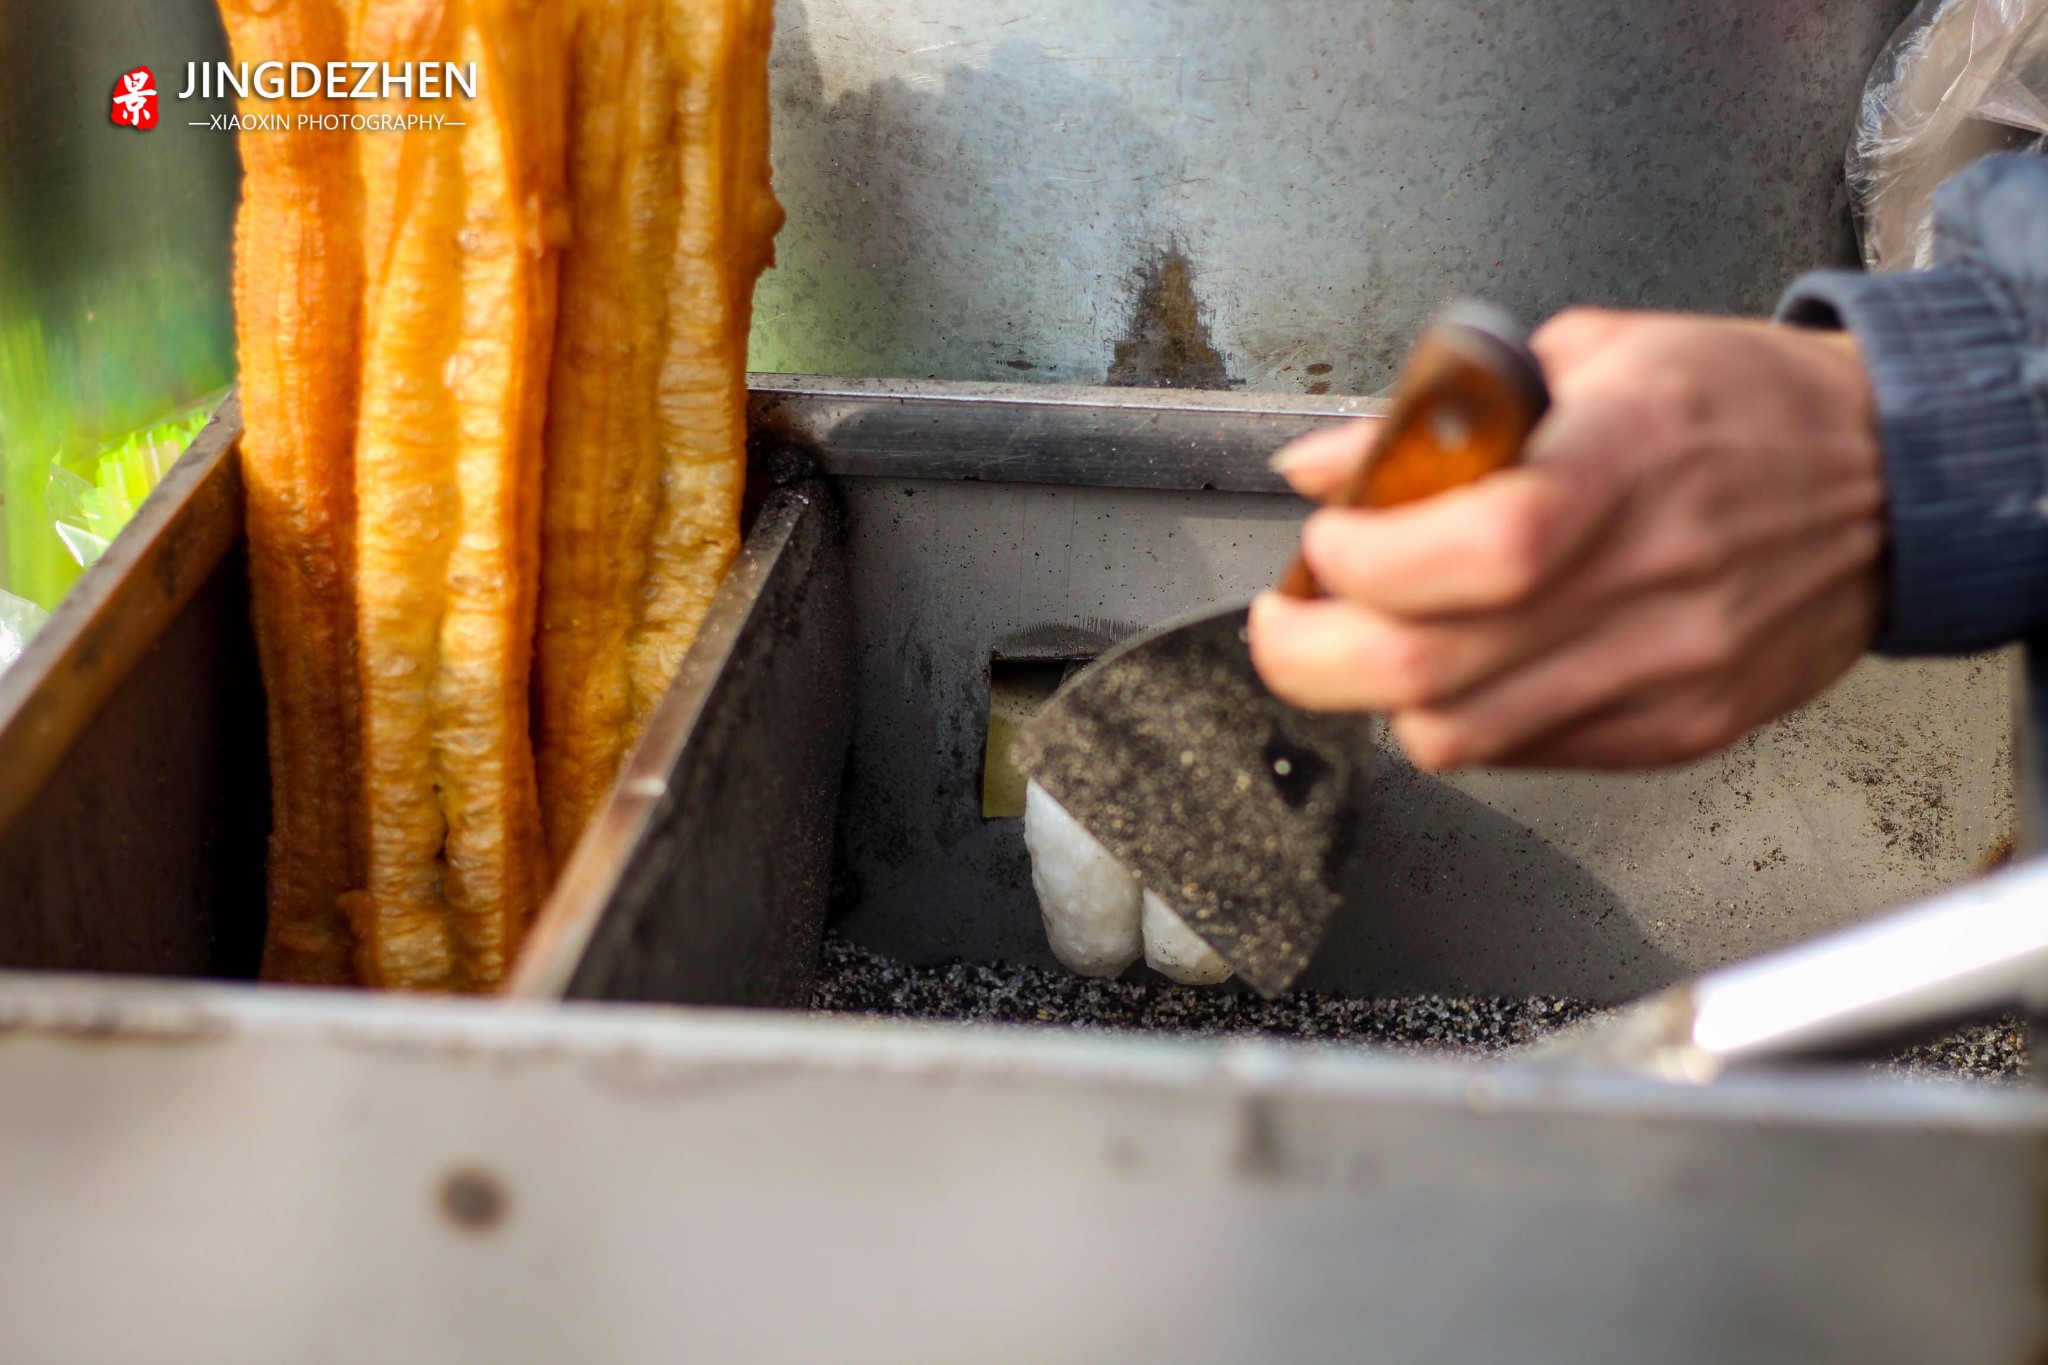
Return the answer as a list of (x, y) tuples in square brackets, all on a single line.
[(855, 980), (1995, 1051), (1241, 811)]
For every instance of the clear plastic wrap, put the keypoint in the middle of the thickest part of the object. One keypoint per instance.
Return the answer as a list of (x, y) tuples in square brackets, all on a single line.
[(1960, 80), (19, 621)]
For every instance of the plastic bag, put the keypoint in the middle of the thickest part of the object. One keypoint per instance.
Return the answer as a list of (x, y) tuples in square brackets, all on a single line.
[(19, 621), (1961, 79)]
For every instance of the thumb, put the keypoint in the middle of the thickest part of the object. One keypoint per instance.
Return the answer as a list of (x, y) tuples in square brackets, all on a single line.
[(1316, 465)]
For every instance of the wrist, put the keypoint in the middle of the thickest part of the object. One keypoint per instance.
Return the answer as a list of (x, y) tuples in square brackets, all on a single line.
[(1851, 400), (1961, 439)]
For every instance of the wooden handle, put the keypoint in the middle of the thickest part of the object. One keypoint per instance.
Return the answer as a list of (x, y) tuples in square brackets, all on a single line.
[(1468, 398)]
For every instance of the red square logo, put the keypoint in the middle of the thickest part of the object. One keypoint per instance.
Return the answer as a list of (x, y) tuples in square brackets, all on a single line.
[(135, 100)]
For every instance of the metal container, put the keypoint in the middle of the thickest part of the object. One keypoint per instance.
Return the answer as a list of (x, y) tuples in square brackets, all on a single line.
[(1207, 193), (992, 524), (134, 783), (212, 1175), (226, 1172)]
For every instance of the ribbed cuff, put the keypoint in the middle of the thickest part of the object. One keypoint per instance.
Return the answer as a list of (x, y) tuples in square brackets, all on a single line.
[(1965, 451)]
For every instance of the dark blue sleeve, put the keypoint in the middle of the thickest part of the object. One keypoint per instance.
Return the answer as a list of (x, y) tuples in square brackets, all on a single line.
[(1958, 358)]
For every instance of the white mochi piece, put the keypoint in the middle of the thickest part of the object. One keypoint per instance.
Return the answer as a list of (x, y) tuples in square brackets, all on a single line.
[(1089, 901), (1178, 952)]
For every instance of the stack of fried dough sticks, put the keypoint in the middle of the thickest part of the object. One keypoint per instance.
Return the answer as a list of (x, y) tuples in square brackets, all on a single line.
[(493, 389)]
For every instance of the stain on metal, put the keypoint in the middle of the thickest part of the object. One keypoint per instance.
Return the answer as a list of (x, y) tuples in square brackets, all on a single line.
[(1056, 640), (138, 1019), (971, 182), (1258, 1155), (1168, 343), (474, 1200)]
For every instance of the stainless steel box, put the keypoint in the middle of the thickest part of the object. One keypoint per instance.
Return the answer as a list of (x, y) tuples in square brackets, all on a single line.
[(223, 1172)]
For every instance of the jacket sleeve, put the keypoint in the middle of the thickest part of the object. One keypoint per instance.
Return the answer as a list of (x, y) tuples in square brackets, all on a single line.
[(1958, 358)]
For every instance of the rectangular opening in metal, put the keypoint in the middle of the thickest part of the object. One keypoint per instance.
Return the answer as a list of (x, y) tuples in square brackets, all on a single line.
[(1017, 688)]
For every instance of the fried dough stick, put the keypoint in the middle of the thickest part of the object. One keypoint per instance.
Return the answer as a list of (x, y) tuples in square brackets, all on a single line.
[(405, 498), (458, 327), (647, 435), (514, 225), (298, 279), (725, 239), (600, 504)]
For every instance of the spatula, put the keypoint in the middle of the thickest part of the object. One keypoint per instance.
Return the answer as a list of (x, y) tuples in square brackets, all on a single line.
[(1239, 810), (1963, 954)]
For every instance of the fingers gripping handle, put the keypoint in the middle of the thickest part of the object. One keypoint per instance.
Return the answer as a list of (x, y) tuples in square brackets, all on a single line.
[(1467, 399)]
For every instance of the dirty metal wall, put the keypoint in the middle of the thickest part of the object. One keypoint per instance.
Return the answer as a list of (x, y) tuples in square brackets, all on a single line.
[(1894, 784), (1207, 193)]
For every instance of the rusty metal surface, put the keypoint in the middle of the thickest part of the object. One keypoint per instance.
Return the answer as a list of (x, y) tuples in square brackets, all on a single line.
[(1276, 196), (118, 612), (703, 878)]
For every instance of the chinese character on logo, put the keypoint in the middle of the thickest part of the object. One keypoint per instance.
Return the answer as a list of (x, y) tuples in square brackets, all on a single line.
[(135, 100)]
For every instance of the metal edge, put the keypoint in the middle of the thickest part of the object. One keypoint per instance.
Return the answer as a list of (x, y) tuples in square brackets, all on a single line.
[(1227, 401), (647, 1041), (1166, 439), (119, 610), (562, 931)]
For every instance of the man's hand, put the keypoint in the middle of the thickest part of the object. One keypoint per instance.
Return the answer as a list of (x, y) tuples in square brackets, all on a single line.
[(1691, 548)]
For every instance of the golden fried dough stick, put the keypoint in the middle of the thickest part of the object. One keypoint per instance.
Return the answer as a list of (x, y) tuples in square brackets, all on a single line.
[(724, 240), (298, 277), (459, 326), (406, 503), (397, 31), (599, 506), (647, 430), (513, 228), (759, 211)]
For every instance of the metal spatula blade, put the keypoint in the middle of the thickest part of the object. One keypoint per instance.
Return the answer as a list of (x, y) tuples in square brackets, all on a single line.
[(1958, 955), (1237, 809)]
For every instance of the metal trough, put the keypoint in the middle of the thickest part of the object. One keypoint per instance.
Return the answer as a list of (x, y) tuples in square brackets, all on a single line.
[(219, 1172)]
